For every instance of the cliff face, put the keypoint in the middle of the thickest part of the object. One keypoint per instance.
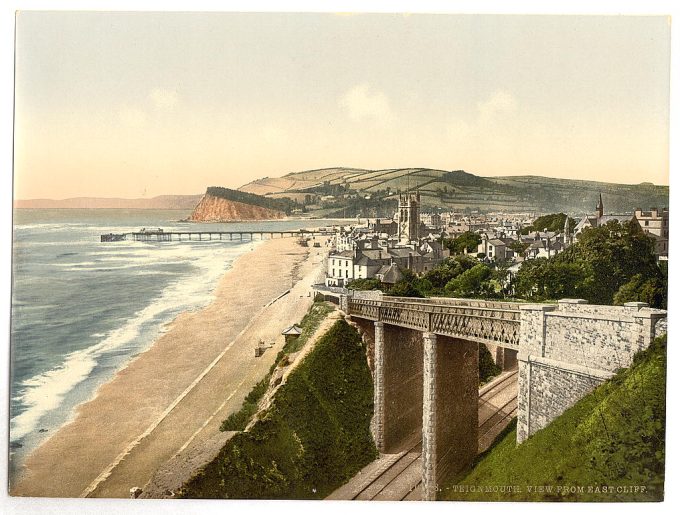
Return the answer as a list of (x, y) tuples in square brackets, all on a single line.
[(215, 209)]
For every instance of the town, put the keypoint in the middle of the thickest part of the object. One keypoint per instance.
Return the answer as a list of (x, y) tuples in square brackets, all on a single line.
[(382, 249)]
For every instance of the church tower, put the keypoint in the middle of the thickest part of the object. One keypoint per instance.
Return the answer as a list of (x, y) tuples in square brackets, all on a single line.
[(409, 216), (600, 207)]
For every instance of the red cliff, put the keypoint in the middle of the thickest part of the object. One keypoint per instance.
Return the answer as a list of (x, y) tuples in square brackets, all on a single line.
[(215, 209)]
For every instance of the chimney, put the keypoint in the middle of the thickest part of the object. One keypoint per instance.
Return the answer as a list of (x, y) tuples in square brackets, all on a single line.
[(655, 212)]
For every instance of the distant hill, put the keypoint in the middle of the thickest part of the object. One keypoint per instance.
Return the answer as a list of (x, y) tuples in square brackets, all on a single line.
[(366, 191), (183, 202)]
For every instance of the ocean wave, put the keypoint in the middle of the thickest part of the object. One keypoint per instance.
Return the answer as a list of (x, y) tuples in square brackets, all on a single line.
[(75, 266), (154, 272), (49, 225), (45, 392), (70, 243)]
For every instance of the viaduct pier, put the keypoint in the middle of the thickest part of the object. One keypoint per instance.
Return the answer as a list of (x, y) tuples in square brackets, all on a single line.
[(424, 355)]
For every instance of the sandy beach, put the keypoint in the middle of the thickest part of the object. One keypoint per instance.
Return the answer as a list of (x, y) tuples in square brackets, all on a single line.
[(174, 396)]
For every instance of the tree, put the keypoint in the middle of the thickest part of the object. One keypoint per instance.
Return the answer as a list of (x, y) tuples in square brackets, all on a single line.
[(467, 240), (487, 367), (529, 279), (405, 288), (449, 269), (553, 222), (563, 280), (652, 291), (611, 263), (472, 282), (612, 254), (518, 247)]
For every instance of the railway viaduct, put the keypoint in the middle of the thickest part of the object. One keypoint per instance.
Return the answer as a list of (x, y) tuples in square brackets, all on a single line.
[(424, 356)]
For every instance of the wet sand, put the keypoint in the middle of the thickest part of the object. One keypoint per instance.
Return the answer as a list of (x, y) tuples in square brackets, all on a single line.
[(177, 392)]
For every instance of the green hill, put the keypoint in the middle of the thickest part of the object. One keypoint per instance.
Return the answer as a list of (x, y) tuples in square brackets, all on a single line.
[(601, 449), (314, 436), (454, 189)]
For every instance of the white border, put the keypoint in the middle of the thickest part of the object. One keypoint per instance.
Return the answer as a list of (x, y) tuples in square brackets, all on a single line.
[(49, 506)]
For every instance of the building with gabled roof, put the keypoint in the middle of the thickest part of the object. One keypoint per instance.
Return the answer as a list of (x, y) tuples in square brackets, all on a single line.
[(599, 218), (389, 274)]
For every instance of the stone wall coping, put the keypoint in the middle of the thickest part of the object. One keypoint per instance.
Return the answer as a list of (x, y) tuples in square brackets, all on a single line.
[(569, 367), (637, 305), (598, 317), (572, 301), (537, 307), (604, 313)]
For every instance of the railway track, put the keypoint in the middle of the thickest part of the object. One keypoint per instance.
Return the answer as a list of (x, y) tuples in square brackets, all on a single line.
[(397, 477)]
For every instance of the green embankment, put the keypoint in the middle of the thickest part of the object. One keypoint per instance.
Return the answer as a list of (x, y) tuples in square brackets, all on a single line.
[(310, 322), (601, 449), (313, 437)]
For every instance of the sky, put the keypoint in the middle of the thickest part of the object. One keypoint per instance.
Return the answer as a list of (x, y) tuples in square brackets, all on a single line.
[(143, 104)]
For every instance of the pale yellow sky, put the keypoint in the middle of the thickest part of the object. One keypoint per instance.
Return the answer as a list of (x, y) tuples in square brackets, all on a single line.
[(142, 104)]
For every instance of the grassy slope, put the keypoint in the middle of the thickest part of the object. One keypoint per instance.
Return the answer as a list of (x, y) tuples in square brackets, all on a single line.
[(312, 439), (310, 322), (466, 189), (615, 436)]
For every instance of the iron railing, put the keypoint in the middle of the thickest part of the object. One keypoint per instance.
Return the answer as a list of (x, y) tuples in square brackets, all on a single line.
[(491, 322)]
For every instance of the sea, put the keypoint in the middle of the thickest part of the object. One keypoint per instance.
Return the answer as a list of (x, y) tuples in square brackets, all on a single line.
[(82, 309)]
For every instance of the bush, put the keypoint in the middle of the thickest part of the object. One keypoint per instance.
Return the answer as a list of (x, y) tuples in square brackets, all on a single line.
[(364, 284), (239, 420), (487, 367)]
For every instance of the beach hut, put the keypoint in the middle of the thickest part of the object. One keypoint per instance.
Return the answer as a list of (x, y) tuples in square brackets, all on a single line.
[(292, 333)]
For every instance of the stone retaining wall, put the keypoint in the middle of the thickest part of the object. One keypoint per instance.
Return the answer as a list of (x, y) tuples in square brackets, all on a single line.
[(567, 349)]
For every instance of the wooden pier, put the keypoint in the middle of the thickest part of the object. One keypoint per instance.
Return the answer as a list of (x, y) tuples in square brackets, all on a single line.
[(160, 235)]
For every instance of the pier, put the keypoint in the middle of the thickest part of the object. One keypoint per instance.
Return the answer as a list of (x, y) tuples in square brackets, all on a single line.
[(161, 235)]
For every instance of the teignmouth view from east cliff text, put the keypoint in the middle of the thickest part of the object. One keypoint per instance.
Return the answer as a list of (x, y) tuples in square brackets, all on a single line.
[(339, 257)]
